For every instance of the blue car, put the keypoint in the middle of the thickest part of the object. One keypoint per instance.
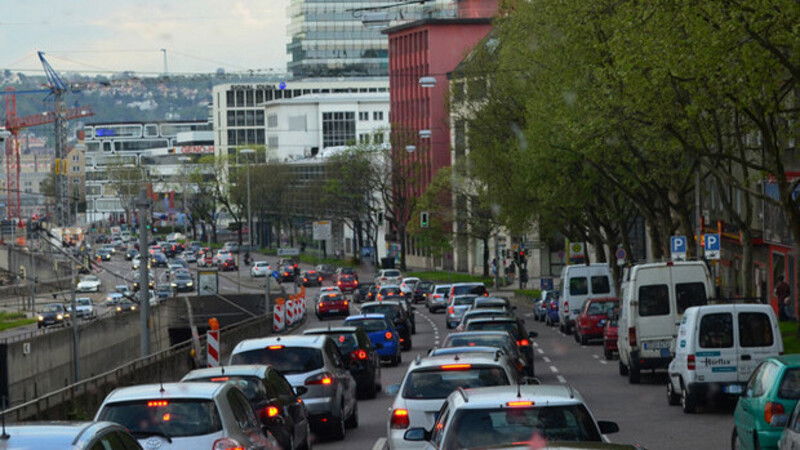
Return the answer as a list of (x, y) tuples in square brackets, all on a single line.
[(551, 318), (382, 334)]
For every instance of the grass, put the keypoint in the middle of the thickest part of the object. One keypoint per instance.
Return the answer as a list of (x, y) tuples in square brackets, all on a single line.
[(314, 260), (13, 320), (533, 293), (451, 277), (791, 342)]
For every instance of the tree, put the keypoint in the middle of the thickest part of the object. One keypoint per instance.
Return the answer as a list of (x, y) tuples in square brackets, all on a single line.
[(126, 179)]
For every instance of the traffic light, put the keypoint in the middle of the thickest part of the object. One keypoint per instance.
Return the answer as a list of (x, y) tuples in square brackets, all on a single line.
[(423, 219)]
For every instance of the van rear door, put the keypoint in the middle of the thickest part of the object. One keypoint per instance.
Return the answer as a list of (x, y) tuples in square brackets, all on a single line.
[(758, 336), (655, 325), (716, 353)]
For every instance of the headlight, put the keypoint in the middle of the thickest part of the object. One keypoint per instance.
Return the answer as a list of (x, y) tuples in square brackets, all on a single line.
[(174, 284), (133, 308), (60, 317), (119, 308), (41, 318), (189, 283)]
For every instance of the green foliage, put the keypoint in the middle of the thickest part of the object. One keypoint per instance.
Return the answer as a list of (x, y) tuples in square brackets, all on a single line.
[(451, 277), (791, 337), (437, 202), (315, 260), (532, 293), (14, 319)]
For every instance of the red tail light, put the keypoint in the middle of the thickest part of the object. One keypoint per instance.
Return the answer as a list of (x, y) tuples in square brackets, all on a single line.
[(523, 342), (356, 282), (268, 412), (339, 283), (772, 409), (359, 354), (451, 310), (323, 378), (346, 303), (519, 403), (455, 366), (400, 419), (632, 336), (690, 362), (157, 403), (305, 279), (319, 279), (388, 335)]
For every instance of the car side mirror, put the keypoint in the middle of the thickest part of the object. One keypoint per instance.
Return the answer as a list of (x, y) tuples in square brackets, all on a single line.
[(300, 390), (416, 434), (393, 389), (607, 427), (533, 334), (779, 420)]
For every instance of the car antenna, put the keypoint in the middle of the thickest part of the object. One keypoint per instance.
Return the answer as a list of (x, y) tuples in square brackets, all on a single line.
[(5, 435), (519, 389)]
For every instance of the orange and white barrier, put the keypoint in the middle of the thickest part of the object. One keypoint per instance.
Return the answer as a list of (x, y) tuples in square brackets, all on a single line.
[(290, 310), (212, 340), (279, 316)]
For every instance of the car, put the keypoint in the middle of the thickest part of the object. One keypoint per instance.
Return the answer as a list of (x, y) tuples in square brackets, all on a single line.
[(260, 269), (483, 312), (136, 262), (388, 276), (362, 294), (407, 308), (579, 282), (456, 308), (122, 289), (286, 274), (172, 266), (84, 308), (493, 303), (186, 415), (407, 286), (540, 304), (355, 342), (422, 290), (437, 300), (610, 330), (227, 265), (719, 347), (595, 310), (515, 327), (159, 259), (332, 305), (163, 290), (772, 390), (315, 363), (89, 283), (501, 340), (276, 404), (231, 246), (347, 283), (189, 256), (71, 435), (382, 333), (429, 380), (385, 290), (51, 314), (502, 416), (182, 282), (180, 262), (330, 290), (397, 313), (125, 305), (222, 255), (205, 258), (790, 437), (111, 248), (151, 281), (103, 254), (553, 308), (114, 298), (346, 271), (311, 278), (326, 270)]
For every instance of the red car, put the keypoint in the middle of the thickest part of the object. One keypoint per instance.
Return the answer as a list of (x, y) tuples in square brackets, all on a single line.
[(228, 265), (347, 283), (332, 305), (610, 338), (588, 325)]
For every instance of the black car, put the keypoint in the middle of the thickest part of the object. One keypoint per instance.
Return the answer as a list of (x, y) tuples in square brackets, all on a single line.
[(312, 278), (158, 260), (515, 327), (182, 282), (103, 254), (362, 293), (277, 405), (52, 314), (286, 274), (326, 270), (397, 313), (365, 363), (151, 282), (131, 253), (422, 290), (125, 306), (409, 310)]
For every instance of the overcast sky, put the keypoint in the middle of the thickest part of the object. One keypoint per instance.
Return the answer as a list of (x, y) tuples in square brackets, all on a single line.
[(199, 35)]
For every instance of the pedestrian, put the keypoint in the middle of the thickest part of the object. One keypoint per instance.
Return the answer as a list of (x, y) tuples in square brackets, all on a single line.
[(523, 278), (494, 266), (783, 294)]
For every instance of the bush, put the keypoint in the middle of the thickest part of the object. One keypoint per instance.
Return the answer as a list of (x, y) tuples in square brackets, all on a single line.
[(533, 293), (791, 342), (451, 277), (314, 260)]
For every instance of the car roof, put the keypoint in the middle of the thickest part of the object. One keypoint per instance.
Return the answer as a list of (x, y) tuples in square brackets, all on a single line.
[(365, 316), (458, 358), (472, 283), (166, 390), (254, 370), (495, 396), (46, 432), (332, 330), (792, 360), (294, 340), (477, 333), (386, 302), (463, 349), (488, 311), (494, 319), (390, 286)]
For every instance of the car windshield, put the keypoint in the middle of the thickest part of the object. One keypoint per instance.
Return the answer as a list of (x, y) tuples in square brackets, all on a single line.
[(480, 428), (172, 417), (252, 387), (442, 290), (486, 340), (83, 301), (495, 325), (53, 308), (441, 381), (89, 278), (389, 291), (286, 360), (391, 273), (369, 325)]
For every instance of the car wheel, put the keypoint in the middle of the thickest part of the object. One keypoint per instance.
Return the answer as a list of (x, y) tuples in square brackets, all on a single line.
[(689, 401), (673, 399), (735, 444), (608, 354), (634, 375), (623, 369), (352, 421)]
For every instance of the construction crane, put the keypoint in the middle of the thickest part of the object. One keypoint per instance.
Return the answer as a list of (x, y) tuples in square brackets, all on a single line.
[(57, 87)]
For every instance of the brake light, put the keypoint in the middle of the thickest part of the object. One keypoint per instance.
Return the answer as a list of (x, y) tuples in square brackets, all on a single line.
[(519, 403), (346, 303), (632, 336), (690, 362), (227, 443), (166, 417), (523, 342), (157, 403), (451, 310), (275, 347), (339, 283), (455, 366), (319, 279), (388, 335), (268, 412), (772, 409), (321, 304), (359, 354), (400, 419), (219, 379), (305, 279), (437, 295), (323, 378), (356, 282)]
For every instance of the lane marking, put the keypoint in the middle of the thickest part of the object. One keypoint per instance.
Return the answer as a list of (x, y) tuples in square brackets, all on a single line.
[(380, 444), (596, 356), (553, 369), (535, 344), (603, 361), (546, 359), (434, 326), (561, 379), (541, 352)]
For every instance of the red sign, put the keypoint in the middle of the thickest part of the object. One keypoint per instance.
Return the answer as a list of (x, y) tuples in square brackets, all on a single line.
[(196, 149)]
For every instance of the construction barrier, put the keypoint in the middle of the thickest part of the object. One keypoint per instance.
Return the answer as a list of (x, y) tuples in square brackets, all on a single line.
[(212, 339), (279, 316), (290, 317)]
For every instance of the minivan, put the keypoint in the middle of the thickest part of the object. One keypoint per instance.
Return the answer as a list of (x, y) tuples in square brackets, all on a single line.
[(718, 348), (579, 282), (654, 297)]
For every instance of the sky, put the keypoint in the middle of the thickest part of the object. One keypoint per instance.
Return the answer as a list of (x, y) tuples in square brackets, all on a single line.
[(118, 35)]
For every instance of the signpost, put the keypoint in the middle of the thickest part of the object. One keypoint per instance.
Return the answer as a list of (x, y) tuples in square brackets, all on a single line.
[(620, 254), (321, 230), (288, 251), (207, 282), (712, 246), (677, 248)]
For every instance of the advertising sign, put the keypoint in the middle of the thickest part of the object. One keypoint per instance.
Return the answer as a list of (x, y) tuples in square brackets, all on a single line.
[(321, 230)]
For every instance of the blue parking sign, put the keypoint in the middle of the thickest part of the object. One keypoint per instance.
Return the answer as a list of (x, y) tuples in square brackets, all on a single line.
[(713, 243), (677, 247)]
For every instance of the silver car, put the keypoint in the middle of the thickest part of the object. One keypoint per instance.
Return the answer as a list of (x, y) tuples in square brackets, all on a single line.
[(186, 415), (312, 361), (438, 298), (458, 305), (71, 435)]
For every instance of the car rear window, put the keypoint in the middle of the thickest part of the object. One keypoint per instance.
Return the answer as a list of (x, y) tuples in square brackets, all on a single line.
[(578, 286), (495, 325), (755, 330), (474, 290), (481, 341), (369, 325), (171, 417), (716, 331), (391, 273), (251, 387), (601, 307), (790, 385), (600, 285), (653, 300), (688, 295), (389, 291), (388, 310), (345, 341), (440, 382), (286, 360), (463, 300), (442, 290)]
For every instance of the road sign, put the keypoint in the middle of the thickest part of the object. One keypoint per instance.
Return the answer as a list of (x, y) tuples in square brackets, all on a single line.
[(713, 245), (677, 247), (321, 230), (207, 282), (288, 251), (620, 254)]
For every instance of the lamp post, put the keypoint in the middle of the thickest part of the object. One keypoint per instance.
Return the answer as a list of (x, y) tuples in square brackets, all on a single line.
[(249, 151)]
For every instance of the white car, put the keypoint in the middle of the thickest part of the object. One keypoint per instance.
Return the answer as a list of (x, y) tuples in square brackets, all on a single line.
[(408, 285), (428, 382), (221, 255), (85, 308), (388, 276), (114, 298), (89, 283), (260, 269), (186, 415)]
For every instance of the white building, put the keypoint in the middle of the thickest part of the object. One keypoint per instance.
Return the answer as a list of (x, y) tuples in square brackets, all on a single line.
[(238, 108), (301, 127)]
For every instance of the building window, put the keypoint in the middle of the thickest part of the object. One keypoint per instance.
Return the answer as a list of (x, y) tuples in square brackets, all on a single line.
[(259, 118), (231, 137), (363, 115), (363, 138), (338, 128), (260, 136), (231, 118), (272, 121), (229, 99), (378, 138), (377, 115), (272, 141)]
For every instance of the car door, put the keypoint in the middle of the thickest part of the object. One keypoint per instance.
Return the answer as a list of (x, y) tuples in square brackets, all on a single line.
[(245, 419), (343, 374), (114, 440), (756, 331), (655, 326), (750, 405), (716, 355), (294, 409), (790, 439)]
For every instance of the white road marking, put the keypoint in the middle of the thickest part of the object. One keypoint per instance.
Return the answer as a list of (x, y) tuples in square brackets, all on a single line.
[(541, 352), (435, 329), (596, 356), (553, 369), (603, 361), (380, 444), (535, 344), (561, 379), (546, 359)]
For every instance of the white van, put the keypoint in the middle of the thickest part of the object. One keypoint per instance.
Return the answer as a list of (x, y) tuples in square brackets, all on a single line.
[(718, 348), (654, 297), (579, 282)]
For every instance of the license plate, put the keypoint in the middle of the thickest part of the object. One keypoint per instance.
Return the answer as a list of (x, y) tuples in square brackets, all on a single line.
[(732, 389), (656, 345)]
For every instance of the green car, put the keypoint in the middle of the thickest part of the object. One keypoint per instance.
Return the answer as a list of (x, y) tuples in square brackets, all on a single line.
[(772, 391)]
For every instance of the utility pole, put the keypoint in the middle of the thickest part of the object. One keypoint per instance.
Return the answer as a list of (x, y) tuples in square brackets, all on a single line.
[(497, 263), (32, 279), (164, 51), (249, 214), (143, 207), (74, 319)]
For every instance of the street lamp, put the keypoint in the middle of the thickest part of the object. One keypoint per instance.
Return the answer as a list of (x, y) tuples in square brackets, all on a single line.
[(249, 151)]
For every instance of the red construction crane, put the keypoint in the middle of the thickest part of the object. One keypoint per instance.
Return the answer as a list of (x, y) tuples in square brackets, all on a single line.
[(14, 124)]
